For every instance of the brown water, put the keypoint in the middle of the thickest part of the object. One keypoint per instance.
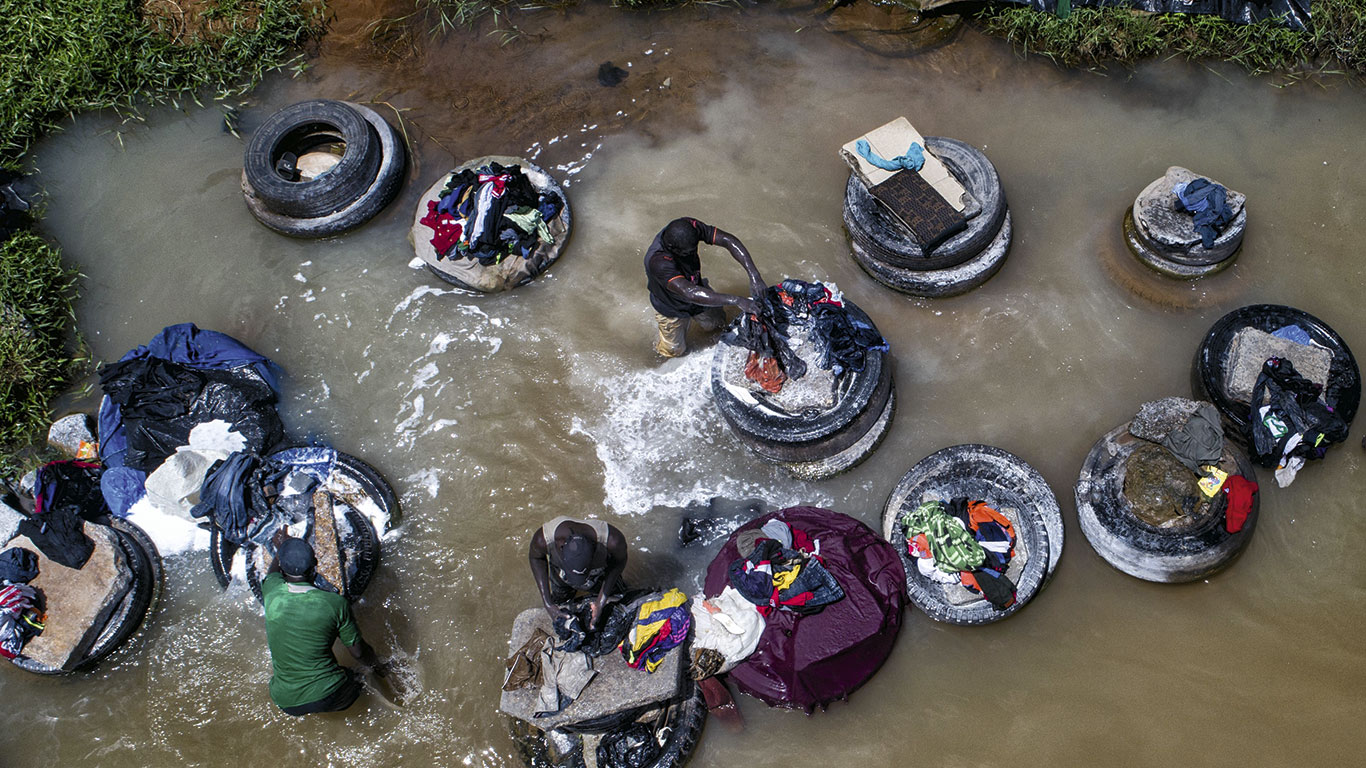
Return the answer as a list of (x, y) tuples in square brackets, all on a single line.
[(493, 413)]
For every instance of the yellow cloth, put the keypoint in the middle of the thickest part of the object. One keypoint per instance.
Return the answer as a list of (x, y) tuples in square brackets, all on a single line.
[(783, 579), (1211, 483), (642, 634)]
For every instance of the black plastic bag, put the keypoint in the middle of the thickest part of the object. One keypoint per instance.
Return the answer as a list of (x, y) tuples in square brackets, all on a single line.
[(631, 747)]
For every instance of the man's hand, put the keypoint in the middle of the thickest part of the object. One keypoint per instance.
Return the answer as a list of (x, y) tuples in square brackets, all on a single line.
[(748, 306), (595, 610), (279, 537)]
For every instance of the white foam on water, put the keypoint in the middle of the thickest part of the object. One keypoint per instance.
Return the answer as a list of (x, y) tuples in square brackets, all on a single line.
[(662, 442), (427, 479)]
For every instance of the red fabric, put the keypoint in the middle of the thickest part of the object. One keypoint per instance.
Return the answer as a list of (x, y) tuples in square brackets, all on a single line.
[(804, 662), (1239, 491), (765, 372), (446, 227)]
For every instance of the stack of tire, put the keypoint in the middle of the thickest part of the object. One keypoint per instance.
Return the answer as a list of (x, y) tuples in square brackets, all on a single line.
[(143, 562), (886, 249), (360, 535), (1179, 549), (813, 444), (322, 167), (1164, 239)]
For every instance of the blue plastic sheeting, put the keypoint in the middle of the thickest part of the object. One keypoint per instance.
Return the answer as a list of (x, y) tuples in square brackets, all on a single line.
[(187, 345), (1294, 12)]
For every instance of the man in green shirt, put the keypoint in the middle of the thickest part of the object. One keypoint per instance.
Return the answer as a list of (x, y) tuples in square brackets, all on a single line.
[(302, 622)]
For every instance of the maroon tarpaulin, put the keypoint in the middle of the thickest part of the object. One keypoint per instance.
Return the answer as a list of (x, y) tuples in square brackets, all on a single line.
[(809, 661)]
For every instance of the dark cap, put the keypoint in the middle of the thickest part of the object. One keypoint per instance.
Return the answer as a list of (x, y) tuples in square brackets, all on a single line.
[(681, 236), (296, 557), (576, 561)]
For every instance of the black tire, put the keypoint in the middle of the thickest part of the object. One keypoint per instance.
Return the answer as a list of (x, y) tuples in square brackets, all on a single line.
[(1141, 550), (294, 129), (1004, 481), (374, 484), (369, 201), (887, 240), (144, 563), (363, 540), (940, 283), (1166, 263), (221, 552), (685, 719), (825, 447), (858, 388), (1208, 373)]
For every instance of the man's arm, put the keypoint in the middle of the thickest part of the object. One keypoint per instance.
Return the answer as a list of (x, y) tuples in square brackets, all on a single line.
[(616, 563), (737, 249), (363, 653), (539, 556), (275, 542), (701, 294)]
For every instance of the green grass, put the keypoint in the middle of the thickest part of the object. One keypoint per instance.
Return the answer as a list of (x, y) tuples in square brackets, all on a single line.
[(60, 57), (36, 293), (1091, 37)]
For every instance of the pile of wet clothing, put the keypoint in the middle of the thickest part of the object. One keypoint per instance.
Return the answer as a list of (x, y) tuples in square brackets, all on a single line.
[(1208, 203), (559, 674), (963, 542), (248, 496), (21, 606), (660, 626), (1290, 420), (1183, 472), (157, 395), (66, 495), (490, 213), (843, 338), (780, 568)]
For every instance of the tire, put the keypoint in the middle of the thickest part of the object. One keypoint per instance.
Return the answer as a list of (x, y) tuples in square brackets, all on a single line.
[(858, 388), (1208, 369), (1142, 550), (371, 198), (941, 283), (144, 593), (888, 240), (297, 127), (1171, 248), (815, 450), (1003, 481), (374, 484), (364, 540), (685, 719), (1164, 263), (540, 180), (221, 552)]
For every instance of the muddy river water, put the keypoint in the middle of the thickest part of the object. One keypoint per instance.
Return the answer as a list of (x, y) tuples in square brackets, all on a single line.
[(491, 414)]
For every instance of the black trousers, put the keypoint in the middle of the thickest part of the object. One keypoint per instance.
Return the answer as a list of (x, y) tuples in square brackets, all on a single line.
[(336, 701)]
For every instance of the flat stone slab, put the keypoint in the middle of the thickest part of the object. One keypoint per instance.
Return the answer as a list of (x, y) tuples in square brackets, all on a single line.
[(1251, 347), (1156, 418), (79, 601), (814, 392), (1157, 213), (615, 688)]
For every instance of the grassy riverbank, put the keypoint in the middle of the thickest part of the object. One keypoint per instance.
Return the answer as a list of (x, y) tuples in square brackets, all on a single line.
[(1091, 37), (62, 57)]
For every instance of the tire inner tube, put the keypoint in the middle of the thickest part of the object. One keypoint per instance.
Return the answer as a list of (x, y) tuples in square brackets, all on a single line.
[(1007, 484), (1171, 551)]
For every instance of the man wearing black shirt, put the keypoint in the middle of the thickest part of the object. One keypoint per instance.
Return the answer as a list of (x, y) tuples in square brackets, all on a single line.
[(677, 290)]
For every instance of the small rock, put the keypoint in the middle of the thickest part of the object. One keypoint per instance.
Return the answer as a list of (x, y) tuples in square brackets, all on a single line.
[(69, 432), (667, 82)]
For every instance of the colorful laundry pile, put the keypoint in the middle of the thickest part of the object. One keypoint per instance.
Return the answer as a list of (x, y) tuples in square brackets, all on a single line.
[(842, 338), (661, 625), (20, 616), (963, 542), (780, 568), (489, 214)]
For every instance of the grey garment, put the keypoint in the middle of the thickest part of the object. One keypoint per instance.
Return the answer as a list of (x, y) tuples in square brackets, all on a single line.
[(1199, 441), (779, 532), (564, 675), (599, 527)]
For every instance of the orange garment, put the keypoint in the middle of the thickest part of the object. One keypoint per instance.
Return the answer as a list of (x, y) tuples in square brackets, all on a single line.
[(765, 372), (979, 512)]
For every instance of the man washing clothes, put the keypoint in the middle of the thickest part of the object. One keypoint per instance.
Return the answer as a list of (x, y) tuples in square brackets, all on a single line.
[(302, 622), (572, 558), (678, 291)]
